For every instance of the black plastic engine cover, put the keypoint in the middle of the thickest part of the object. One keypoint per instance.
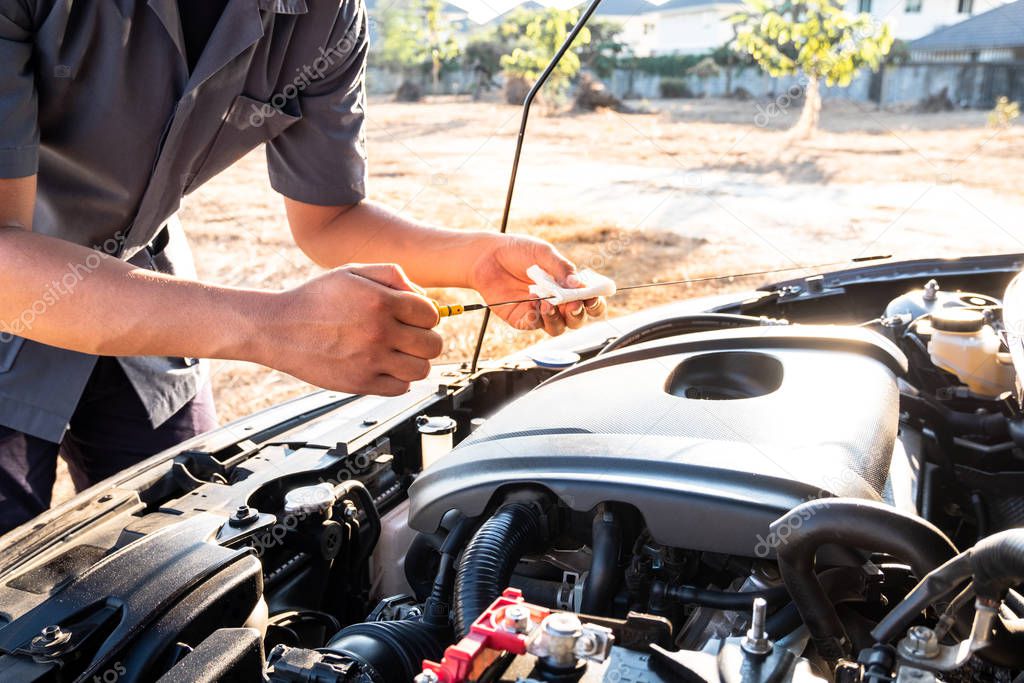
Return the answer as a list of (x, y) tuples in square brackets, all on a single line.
[(710, 436)]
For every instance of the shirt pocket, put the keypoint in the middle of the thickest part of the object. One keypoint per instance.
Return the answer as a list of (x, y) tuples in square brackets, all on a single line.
[(247, 125), (9, 348)]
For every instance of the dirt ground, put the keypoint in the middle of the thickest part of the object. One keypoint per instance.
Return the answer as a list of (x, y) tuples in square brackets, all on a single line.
[(700, 187), (693, 188)]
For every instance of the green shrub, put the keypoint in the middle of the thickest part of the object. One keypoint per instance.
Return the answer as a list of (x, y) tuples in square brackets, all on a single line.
[(674, 88), (661, 65)]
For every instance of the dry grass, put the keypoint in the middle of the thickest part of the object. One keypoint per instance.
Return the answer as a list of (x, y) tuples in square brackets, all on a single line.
[(586, 179)]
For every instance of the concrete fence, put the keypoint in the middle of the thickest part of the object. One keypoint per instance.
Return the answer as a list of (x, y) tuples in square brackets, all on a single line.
[(968, 85), (461, 82), (975, 85), (638, 85)]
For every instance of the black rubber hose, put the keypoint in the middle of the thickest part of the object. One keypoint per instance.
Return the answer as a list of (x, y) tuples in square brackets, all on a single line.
[(998, 563), (437, 606), (682, 324), (991, 424), (356, 488), (934, 586), (729, 601), (394, 650), (852, 524), (603, 577), (487, 564), (841, 584), (419, 560), (538, 591)]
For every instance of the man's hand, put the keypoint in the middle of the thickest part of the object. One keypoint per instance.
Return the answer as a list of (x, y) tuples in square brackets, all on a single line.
[(362, 329), (499, 274), (494, 265)]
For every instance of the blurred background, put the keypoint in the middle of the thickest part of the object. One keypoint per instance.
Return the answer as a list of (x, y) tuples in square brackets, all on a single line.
[(685, 139)]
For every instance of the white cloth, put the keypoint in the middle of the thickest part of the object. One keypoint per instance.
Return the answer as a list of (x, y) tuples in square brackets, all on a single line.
[(545, 287)]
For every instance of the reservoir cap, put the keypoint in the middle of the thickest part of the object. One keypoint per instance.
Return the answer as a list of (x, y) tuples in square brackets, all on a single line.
[(958, 320), (554, 358)]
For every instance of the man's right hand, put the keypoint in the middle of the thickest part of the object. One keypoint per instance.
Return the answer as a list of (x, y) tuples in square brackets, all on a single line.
[(361, 329)]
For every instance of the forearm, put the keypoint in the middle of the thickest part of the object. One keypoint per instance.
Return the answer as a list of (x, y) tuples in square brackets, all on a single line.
[(370, 233), (72, 297)]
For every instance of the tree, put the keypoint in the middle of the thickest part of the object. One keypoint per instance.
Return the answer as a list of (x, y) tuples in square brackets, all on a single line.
[(732, 61), (415, 40), (601, 55), (816, 39), (482, 56), (540, 37)]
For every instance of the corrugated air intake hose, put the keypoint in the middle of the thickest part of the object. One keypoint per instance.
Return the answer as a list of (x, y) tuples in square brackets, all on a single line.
[(488, 562)]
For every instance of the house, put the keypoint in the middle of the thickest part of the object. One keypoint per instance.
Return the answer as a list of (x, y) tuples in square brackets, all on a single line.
[(635, 18), (698, 26), (689, 26), (912, 19), (993, 36)]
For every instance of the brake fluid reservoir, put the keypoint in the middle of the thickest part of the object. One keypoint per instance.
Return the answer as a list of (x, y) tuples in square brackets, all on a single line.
[(437, 435), (964, 345)]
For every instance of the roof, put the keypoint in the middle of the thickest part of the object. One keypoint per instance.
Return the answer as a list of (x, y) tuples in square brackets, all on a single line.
[(624, 8), (999, 27), (687, 4), (446, 8), (529, 6)]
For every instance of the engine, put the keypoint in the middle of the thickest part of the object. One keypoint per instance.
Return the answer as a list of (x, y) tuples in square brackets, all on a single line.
[(820, 483), (709, 436)]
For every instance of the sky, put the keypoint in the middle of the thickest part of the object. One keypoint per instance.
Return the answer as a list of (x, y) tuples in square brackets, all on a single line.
[(482, 11)]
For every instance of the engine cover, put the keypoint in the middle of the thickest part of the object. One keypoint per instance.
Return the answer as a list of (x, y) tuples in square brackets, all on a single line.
[(711, 436)]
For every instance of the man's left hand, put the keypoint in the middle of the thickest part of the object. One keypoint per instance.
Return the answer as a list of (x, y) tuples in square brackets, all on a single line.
[(499, 274)]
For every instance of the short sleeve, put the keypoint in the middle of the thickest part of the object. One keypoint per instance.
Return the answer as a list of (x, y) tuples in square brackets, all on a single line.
[(321, 159), (19, 119)]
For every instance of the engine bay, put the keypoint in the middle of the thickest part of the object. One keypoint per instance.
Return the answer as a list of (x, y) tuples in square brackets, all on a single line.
[(816, 481)]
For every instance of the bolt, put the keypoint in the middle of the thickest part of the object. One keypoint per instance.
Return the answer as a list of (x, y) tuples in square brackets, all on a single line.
[(244, 516), (564, 624), (920, 642), (585, 645), (49, 638), (756, 641), (517, 618), (595, 643), (427, 676), (350, 511), (557, 640), (931, 291)]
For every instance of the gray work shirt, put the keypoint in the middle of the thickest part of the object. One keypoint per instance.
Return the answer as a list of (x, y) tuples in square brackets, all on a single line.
[(96, 97)]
